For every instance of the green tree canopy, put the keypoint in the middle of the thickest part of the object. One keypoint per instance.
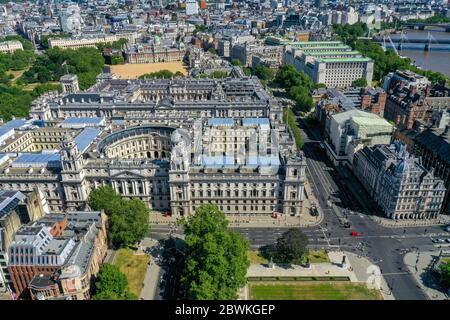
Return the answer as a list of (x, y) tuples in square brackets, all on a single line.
[(128, 219), (112, 284), (361, 82), (104, 198), (216, 259), (86, 63), (236, 62), (264, 73), (300, 95), (291, 246), (445, 273), (161, 74)]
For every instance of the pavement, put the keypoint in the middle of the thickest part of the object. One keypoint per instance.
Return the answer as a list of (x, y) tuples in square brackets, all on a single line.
[(389, 223), (338, 194), (418, 263), (357, 269), (150, 289), (5, 296)]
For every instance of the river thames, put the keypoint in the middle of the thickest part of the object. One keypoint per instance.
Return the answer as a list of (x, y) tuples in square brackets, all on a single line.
[(437, 59)]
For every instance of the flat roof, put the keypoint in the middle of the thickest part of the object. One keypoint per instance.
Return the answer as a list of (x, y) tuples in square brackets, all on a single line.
[(83, 120), (324, 53), (220, 122), (364, 121), (255, 122), (344, 60), (37, 159), (86, 137), (309, 49)]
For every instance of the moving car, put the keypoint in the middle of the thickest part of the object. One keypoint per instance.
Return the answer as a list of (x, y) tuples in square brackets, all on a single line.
[(355, 234)]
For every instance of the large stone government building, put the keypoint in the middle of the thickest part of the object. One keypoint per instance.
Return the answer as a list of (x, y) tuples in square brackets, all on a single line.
[(175, 144)]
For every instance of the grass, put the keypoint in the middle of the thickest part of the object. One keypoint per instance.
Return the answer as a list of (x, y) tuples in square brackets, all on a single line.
[(289, 119), (134, 267), (318, 256), (16, 74), (312, 291), (315, 256), (255, 257)]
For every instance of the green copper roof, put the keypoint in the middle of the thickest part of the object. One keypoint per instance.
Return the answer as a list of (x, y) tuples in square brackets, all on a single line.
[(322, 47), (326, 53), (344, 60)]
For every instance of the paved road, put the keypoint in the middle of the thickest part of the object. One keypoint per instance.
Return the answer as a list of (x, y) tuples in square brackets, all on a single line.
[(385, 247)]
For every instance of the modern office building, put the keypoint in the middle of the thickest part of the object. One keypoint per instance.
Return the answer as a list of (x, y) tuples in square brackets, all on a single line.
[(351, 130)]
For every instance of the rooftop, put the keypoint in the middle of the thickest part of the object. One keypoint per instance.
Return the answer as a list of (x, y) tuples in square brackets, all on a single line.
[(86, 137)]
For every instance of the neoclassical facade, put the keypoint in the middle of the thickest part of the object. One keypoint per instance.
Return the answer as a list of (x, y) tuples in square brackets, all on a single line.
[(175, 144)]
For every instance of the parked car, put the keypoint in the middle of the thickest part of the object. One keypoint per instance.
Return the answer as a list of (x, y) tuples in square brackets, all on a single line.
[(447, 228), (448, 240)]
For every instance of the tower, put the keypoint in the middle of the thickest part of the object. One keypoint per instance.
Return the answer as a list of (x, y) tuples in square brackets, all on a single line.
[(69, 83), (294, 184), (72, 174)]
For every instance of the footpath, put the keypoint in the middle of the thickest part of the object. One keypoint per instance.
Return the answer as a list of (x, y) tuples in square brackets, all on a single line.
[(419, 264), (385, 222)]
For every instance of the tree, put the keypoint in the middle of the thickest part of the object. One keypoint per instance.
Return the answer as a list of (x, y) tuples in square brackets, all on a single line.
[(128, 219), (216, 258), (289, 119), (445, 273), (129, 222), (236, 62), (361, 82), (112, 284), (264, 73), (86, 63), (104, 198), (161, 74), (301, 97), (247, 71), (212, 50), (291, 246)]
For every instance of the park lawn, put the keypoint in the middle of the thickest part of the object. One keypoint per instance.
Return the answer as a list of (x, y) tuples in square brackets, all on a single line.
[(315, 256), (312, 290), (16, 73), (133, 266), (255, 257), (31, 86), (318, 256)]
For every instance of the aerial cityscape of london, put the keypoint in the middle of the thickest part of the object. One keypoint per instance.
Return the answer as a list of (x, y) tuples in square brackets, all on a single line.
[(243, 151)]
